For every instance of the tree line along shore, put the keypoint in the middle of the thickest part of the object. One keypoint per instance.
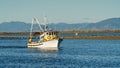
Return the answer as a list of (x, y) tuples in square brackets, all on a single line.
[(68, 31), (22, 35)]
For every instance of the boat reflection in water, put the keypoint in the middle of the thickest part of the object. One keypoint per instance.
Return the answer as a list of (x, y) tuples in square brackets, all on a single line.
[(46, 53)]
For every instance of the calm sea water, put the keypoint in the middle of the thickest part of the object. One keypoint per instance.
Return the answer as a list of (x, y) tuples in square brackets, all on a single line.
[(71, 54)]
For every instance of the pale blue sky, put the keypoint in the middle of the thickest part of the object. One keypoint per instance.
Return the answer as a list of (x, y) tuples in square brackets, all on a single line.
[(70, 11)]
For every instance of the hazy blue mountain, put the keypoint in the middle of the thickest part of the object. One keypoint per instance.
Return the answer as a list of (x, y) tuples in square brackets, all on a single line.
[(14, 26), (108, 24), (112, 23)]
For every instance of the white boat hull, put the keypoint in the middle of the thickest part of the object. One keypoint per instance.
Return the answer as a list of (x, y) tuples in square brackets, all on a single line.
[(48, 44)]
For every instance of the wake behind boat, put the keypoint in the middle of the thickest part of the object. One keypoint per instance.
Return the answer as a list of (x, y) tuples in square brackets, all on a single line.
[(48, 38)]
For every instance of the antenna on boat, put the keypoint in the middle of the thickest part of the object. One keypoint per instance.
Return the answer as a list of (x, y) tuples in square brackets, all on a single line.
[(45, 23)]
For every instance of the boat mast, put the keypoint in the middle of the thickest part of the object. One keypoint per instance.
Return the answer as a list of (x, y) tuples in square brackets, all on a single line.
[(45, 23)]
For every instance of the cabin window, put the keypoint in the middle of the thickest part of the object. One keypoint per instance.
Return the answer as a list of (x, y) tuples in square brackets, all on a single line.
[(47, 33), (55, 33), (52, 33)]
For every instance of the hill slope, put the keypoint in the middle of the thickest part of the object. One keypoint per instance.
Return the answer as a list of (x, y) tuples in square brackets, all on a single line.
[(108, 24)]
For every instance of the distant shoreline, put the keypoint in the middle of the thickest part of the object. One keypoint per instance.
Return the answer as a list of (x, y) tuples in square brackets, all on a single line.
[(22, 35), (68, 31)]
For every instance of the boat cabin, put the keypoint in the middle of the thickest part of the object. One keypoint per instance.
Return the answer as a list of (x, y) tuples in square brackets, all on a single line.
[(50, 35)]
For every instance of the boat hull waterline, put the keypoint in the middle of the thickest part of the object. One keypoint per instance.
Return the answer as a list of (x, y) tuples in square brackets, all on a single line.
[(48, 44)]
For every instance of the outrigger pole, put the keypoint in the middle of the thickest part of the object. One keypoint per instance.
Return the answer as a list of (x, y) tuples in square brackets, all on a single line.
[(35, 20), (39, 25), (31, 28)]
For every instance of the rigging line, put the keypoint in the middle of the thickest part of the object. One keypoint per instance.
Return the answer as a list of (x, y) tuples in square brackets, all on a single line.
[(31, 28), (39, 25)]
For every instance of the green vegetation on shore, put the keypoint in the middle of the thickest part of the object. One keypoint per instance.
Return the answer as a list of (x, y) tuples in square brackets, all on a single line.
[(68, 32), (93, 37), (22, 35)]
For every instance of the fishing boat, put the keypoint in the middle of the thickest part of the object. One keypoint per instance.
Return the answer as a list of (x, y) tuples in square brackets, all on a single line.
[(48, 38)]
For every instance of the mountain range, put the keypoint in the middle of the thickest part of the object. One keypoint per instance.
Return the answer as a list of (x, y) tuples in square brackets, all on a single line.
[(17, 26)]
